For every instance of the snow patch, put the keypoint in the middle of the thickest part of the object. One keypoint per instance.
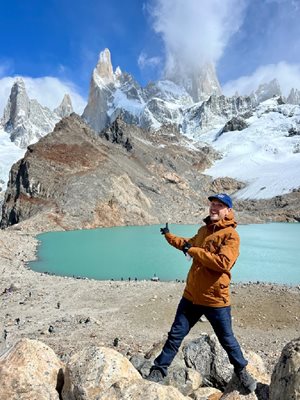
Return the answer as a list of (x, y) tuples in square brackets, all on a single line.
[(263, 155)]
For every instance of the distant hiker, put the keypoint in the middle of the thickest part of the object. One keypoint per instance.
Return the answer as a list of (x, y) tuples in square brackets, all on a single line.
[(214, 250), (58, 304), (5, 333)]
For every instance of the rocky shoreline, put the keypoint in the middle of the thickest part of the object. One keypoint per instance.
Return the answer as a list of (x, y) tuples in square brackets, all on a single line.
[(67, 313)]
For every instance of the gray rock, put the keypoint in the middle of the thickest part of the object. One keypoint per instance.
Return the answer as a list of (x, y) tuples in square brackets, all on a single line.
[(117, 133), (185, 379), (285, 380), (234, 124), (208, 357)]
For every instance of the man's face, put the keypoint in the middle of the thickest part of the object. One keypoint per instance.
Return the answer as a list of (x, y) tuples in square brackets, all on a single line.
[(217, 210)]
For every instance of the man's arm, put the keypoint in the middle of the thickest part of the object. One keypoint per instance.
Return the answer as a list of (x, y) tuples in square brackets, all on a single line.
[(221, 261), (176, 241)]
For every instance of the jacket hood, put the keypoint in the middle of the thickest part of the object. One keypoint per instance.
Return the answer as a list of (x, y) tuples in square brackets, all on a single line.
[(229, 220)]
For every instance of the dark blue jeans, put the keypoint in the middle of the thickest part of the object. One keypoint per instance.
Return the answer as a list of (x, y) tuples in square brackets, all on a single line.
[(186, 317)]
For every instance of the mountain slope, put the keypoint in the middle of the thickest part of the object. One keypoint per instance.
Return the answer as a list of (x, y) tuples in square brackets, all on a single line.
[(73, 178), (265, 154)]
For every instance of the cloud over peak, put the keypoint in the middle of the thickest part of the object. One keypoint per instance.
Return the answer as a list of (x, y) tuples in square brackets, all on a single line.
[(195, 33), (288, 76)]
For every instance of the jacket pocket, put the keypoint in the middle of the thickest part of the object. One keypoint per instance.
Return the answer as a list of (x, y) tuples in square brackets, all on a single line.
[(222, 291)]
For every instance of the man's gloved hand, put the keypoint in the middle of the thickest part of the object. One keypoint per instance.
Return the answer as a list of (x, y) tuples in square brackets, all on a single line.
[(164, 230), (186, 247)]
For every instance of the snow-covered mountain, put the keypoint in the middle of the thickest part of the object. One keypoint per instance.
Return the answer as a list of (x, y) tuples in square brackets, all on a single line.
[(169, 101), (26, 120), (23, 123), (294, 97), (259, 155), (9, 154), (258, 134), (117, 93), (200, 84), (265, 154)]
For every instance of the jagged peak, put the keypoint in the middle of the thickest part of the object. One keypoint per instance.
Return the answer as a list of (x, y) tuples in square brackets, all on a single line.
[(266, 91), (19, 81), (272, 84), (104, 69), (199, 82), (294, 96), (18, 88), (118, 71), (17, 104), (65, 108)]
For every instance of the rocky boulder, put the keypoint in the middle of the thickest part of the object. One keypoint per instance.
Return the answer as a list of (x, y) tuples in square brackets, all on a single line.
[(207, 393), (185, 379), (30, 370), (207, 356), (203, 363), (285, 381), (92, 371), (141, 389)]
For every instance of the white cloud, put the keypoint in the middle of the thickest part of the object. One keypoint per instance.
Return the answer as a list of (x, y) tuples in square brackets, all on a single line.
[(288, 76), (48, 91), (5, 67), (145, 61), (195, 32)]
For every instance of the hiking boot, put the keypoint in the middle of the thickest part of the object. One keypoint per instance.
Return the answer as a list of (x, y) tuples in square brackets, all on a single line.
[(155, 376), (246, 380)]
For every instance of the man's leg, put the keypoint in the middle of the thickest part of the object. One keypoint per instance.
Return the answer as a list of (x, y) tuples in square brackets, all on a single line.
[(220, 319), (186, 317)]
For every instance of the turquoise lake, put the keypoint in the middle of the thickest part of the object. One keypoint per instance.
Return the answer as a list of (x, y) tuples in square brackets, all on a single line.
[(269, 253)]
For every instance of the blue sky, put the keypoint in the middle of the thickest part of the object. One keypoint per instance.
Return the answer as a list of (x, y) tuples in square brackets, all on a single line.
[(55, 44)]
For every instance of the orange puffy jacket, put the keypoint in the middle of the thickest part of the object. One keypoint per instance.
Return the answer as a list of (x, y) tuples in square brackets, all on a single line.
[(215, 249)]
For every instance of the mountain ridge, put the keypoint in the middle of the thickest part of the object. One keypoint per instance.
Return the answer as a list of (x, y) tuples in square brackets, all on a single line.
[(260, 127), (73, 178)]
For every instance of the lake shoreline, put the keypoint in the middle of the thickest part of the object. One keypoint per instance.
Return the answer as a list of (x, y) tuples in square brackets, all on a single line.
[(85, 311)]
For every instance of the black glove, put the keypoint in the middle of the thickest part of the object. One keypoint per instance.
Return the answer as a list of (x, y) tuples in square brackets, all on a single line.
[(164, 230), (186, 247)]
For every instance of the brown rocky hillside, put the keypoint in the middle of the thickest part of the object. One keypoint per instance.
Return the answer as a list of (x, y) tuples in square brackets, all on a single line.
[(73, 178)]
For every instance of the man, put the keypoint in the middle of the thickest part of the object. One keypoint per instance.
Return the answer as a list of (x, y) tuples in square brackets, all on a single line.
[(214, 250)]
